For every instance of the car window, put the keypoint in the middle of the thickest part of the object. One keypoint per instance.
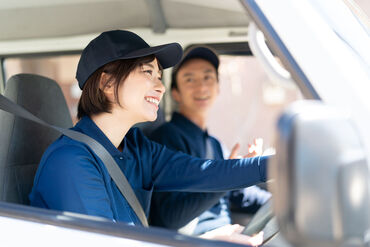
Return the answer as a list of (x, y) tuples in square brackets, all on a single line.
[(360, 8), (62, 69), (249, 103)]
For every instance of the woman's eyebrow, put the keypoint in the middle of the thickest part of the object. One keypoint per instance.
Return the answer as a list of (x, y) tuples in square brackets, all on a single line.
[(149, 64), (152, 66)]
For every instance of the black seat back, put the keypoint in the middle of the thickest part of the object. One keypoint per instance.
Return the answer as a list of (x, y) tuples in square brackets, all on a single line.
[(22, 141)]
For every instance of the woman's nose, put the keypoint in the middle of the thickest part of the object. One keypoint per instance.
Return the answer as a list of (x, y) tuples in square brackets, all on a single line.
[(159, 87)]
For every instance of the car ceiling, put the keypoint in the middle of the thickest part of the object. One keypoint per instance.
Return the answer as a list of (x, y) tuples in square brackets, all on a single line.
[(37, 19)]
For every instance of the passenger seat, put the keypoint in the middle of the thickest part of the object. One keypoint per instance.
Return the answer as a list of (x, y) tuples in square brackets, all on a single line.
[(23, 142)]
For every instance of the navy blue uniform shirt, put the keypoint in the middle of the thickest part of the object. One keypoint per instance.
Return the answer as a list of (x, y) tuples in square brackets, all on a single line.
[(174, 210), (70, 177)]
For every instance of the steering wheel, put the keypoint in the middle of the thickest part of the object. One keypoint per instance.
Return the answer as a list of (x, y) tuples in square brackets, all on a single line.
[(264, 220)]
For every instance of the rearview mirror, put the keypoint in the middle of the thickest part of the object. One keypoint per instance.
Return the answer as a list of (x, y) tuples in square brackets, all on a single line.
[(321, 177)]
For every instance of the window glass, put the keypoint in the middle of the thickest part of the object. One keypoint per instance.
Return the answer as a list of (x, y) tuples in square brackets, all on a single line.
[(249, 104), (361, 8), (247, 107), (62, 69)]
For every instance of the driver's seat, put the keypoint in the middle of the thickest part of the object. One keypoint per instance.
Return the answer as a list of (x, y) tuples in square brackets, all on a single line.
[(22, 141)]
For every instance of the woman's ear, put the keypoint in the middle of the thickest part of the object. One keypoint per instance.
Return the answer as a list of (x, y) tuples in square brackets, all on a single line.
[(105, 84)]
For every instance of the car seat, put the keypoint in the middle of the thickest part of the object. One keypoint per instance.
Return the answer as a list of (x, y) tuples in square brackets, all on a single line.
[(22, 141)]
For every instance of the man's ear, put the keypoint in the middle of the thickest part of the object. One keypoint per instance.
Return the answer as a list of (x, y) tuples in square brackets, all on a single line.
[(175, 94)]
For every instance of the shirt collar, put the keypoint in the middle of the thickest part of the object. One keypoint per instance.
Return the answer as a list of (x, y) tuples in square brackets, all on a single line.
[(187, 125), (88, 127)]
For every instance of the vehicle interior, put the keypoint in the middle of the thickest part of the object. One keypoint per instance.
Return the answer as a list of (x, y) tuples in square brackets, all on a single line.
[(40, 44)]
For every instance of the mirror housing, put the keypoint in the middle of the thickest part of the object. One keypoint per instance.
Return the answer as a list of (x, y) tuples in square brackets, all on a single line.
[(321, 177)]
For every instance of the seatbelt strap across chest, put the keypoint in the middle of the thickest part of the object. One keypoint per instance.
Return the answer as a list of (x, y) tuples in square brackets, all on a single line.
[(113, 169)]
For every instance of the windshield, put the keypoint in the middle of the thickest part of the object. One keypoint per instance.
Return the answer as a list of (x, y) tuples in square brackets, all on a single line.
[(361, 9), (350, 38), (344, 23), (325, 47)]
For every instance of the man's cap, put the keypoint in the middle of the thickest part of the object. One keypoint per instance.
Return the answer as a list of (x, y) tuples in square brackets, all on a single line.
[(120, 44), (201, 52)]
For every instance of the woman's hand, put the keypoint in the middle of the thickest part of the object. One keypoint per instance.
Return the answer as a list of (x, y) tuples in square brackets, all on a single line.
[(232, 233), (254, 149)]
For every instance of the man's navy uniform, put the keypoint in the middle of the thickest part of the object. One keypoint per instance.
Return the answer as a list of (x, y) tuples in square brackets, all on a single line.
[(175, 209), (71, 177)]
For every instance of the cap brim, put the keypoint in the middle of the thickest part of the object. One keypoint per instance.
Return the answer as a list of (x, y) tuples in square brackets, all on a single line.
[(168, 55)]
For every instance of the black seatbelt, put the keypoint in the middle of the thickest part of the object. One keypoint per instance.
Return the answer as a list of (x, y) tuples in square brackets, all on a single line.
[(113, 169)]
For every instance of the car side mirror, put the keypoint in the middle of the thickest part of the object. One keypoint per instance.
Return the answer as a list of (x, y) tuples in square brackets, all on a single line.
[(321, 177)]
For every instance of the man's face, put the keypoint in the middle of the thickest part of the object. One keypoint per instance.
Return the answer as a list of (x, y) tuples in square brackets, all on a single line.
[(197, 86)]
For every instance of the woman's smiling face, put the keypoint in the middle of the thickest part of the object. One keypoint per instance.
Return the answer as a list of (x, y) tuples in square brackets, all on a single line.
[(141, 92)]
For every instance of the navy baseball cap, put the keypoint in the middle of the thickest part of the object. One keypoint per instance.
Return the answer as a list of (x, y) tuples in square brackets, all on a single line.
[(202, 52), (120, 44)]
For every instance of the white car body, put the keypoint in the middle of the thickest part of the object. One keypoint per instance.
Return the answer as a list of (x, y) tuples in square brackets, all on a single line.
[(308, 35)]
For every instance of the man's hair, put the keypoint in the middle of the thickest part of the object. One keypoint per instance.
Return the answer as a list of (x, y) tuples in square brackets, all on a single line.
[(177, 68), (93, 100)]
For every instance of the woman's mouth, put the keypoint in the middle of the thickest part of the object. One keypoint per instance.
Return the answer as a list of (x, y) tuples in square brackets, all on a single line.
[(152, 100)]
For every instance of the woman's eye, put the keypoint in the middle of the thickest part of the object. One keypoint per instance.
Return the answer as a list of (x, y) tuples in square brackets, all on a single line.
[(150, 72)]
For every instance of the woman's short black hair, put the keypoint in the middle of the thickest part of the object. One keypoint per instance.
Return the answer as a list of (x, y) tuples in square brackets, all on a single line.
[(93, 100)]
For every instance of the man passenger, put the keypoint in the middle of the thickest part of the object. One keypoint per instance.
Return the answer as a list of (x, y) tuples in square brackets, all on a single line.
[(195, 88)]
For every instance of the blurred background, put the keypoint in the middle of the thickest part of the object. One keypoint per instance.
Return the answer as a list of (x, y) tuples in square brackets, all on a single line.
[(248, 105)]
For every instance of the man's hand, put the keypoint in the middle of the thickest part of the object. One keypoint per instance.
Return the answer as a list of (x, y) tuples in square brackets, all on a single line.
[(232, 233), (254, 149)]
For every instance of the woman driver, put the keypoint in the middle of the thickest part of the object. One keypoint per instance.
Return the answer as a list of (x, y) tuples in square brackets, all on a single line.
[(120, 78)]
